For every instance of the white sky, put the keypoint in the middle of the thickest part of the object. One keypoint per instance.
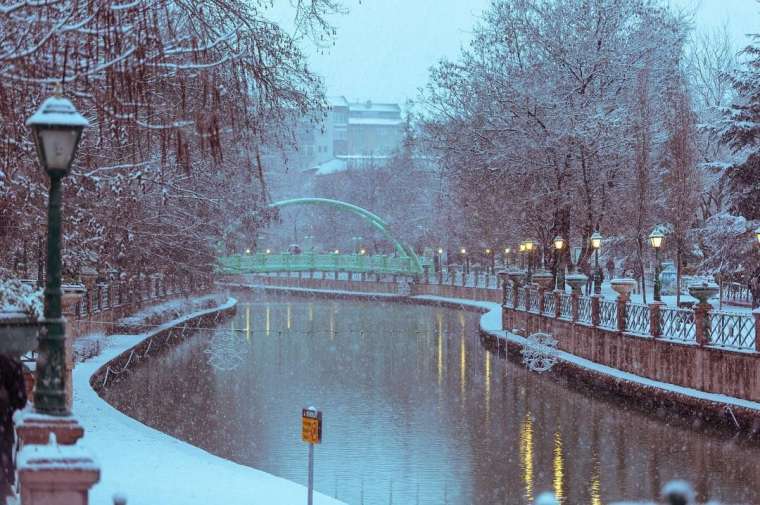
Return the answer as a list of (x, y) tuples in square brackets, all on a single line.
[(384, 48)]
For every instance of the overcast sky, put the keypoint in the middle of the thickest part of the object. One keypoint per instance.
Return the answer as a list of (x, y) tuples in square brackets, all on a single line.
[(384, 48)]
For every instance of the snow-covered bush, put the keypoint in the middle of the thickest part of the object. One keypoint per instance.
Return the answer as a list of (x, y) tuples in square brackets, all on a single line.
[(16, 296)]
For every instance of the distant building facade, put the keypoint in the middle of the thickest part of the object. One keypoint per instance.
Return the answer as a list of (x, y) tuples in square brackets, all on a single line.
[(355, 134)]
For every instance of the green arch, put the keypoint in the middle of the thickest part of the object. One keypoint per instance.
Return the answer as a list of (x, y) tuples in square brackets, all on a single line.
[(373, 219)]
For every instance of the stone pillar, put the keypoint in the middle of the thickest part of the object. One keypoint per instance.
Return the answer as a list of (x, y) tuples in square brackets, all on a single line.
[(655, 319), (35, 429), (702, 322), (756, 313), (596, 310), (622, 302), (53, 474), (575, 299)]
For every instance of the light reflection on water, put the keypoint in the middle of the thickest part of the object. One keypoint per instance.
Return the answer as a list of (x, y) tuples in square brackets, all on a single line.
[(416, 412)]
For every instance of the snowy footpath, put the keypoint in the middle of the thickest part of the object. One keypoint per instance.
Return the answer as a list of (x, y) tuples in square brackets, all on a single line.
[(151, 468)]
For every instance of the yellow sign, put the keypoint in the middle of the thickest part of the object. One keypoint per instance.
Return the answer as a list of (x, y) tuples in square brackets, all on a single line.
[(311, 426)]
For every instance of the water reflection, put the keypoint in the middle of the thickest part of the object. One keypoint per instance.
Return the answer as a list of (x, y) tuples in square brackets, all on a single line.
[(416, 411)]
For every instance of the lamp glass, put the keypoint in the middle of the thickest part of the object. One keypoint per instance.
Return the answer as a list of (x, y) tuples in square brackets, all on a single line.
[(596, 240), (656, 238), (440, 250), (463, 251), (522, 247), (559, 243), (757, 235), (506, 251), (488, 251), (528, 245), (57, 146)]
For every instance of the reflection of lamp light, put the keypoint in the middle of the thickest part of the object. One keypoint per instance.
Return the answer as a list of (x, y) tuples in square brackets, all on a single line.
[(559, 243)]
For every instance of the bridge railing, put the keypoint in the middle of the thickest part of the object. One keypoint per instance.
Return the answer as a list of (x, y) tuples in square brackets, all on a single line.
[(306, 262)]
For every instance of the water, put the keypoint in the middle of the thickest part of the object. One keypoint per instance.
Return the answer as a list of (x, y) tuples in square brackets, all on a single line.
[(416, 411)]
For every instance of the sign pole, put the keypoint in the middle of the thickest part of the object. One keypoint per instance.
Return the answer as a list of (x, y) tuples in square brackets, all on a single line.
[(311, 433), (311, 475)]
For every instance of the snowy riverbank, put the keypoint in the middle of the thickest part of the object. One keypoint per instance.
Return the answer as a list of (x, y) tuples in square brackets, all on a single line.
[(150, 467)]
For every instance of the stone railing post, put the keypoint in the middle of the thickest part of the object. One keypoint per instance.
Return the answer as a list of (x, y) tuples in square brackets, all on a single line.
[(622, 313), (596, 310), (756, 313), (702, 322), (655, 319), (557, 303), (575, 299)]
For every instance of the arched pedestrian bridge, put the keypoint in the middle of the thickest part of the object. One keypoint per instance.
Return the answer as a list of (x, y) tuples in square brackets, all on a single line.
[(404, 262)]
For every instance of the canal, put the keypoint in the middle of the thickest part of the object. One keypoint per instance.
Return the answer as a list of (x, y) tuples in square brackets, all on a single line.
[(416, 411)]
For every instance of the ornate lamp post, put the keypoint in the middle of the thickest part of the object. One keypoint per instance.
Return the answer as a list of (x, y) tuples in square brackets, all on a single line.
[(656, 238), (596, 243), (465, 261), (559, 246), (529, 247), (507, 250), (56, 129), (490, 254)]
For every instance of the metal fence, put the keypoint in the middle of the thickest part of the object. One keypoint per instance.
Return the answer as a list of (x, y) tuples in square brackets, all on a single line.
[(549, 304), (677, 324), (584, 309), (736, 331), (637, 319), (565, 306), (608, 314)]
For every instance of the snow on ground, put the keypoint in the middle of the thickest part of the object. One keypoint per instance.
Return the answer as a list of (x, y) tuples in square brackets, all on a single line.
[(150, 467), (175, 306)]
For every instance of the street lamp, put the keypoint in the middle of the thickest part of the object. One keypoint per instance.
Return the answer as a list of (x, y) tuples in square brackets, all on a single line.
[(56, 129), (492, 256), (757, 235), (248, 251), (559, 245), (656, 238), (596, 243), (269, 251), (521, 249), (529, 246), (507, 250), (466, 261)]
